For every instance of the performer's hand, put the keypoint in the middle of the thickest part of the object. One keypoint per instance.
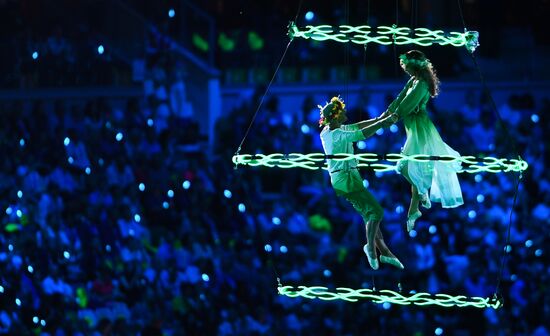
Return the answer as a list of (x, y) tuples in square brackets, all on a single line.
[(384, 114), (387, 121)]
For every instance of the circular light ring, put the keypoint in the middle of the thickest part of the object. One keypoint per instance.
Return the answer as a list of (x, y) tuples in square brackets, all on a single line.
[(418, 299), (314, 161), (385, 35)]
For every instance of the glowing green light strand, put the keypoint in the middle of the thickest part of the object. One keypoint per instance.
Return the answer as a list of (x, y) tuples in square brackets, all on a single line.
[(386, 35), (315, 161), (419, 299)]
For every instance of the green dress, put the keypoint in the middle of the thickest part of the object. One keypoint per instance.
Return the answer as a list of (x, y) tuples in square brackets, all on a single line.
[(437, 178)]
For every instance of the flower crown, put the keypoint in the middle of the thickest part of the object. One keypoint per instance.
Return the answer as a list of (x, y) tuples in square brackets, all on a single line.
[(327, 112), (420, 63)]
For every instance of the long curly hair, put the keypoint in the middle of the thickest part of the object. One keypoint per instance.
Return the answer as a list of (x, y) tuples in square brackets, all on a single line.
[(419, 66)]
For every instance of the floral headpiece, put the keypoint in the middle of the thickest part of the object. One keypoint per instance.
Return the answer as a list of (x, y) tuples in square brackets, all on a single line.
[(327, 112), (420, 63)]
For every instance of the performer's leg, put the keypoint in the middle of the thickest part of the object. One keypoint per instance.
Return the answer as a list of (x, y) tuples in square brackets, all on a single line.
[(386, 256), (372, 214), (415, 198)]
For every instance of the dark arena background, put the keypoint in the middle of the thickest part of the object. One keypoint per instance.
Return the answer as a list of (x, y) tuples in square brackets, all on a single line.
[(124, 214)]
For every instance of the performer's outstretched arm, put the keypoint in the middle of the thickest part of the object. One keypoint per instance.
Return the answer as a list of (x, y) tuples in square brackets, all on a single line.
[(365, 123), (383, 122), (412, 99), (400, 97)]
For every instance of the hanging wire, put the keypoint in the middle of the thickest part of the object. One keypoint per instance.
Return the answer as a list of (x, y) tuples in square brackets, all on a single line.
[(262, 99), (412, 14), (368, 24), (416, 13), (396, 69), (514, 150), (270, 259), (346, 69), (268, 87)]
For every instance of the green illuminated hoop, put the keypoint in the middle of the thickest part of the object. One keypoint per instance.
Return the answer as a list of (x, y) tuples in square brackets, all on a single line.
[(418, 299), (315, 161), (386, 35)]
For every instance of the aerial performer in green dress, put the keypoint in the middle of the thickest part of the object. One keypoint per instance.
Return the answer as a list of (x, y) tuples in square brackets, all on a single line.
[(338, 138), (435, 181)]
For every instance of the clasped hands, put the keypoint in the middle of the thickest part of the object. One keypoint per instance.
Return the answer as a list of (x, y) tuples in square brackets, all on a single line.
[(388, 118)]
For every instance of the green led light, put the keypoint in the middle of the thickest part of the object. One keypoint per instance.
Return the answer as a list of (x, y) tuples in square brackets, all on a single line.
[(386, 35), (314, 161), (419, 299)]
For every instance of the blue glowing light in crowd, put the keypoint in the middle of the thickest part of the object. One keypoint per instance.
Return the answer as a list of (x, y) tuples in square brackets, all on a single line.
[(412, 233), (18, 302), (43, 323), (108, 248), (100, 49), (88, 171), (378, 174), (205, 277), (309, 15), (10, 247), (19, 213), (131, 232), (137, 218), (478, 178), (508, 248), (283, 249), (30, 269), (9, 211), (171, 12), (380, 131), (241, 207), (1, 289), (438, 331), (480, 198), (394, 128), (108, 124), (276, 220), (150, 122), (361, 144), (141, 187), (67, 141), (399, 209), (35, 55), (170, 193), (386, 305), (535, 118), (20, 194), (35, 319), (186, 184), (267, 248), (327, 273), (513, 277), (22, 142), (100, 161), (472, 214), (165, 205), (432, 229), (365, 183), (119, 136), (304, 129), (528, 243), (538, 252), (227, 193), (66, 255), (70, 160)]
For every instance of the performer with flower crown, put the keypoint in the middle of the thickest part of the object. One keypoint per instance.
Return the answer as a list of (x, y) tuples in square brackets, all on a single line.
[(430, 180), (338, 138)]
